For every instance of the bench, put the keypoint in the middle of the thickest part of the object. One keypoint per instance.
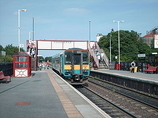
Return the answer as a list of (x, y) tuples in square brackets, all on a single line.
[(151, 69), (7, 78)]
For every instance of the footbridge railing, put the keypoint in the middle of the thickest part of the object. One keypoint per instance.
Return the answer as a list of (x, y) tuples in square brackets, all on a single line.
[(98, 55)]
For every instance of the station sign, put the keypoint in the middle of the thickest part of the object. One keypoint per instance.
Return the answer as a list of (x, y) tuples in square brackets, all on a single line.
[(141, 55), (154, 53)]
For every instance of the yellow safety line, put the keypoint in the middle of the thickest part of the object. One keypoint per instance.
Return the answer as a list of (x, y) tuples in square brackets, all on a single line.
[(70, 109)]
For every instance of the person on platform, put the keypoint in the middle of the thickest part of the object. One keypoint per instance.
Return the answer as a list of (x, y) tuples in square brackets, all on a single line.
[(133, 64)]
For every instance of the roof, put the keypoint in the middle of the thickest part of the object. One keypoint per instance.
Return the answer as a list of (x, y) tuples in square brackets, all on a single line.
[(148, 35), (22, 53)]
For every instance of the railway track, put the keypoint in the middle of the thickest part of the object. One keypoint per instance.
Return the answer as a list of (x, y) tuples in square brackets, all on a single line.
[(110, 108), (148, 99), (120, 102)]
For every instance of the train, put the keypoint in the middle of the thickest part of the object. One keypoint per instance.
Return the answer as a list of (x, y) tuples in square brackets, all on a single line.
[(72, 64)]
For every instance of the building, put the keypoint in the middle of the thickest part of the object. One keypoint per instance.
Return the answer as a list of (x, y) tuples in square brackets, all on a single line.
[(149, 37), (99, 36)]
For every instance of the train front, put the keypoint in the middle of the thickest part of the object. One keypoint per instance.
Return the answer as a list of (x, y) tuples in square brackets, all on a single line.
[(76, 66)]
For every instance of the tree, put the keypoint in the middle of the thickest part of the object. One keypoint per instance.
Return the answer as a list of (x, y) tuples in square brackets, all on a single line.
[(1, 48), (40, 59), (48, 59), (130, 45), (10, 51)]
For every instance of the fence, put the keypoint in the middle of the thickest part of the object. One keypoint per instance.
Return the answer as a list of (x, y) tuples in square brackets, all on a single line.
[(7, 68), (126, 66)]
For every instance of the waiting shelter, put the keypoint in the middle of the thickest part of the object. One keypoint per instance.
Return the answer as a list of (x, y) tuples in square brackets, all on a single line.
[(21, 65)]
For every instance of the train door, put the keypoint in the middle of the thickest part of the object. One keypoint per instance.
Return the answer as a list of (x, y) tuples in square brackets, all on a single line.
[(77, 63)]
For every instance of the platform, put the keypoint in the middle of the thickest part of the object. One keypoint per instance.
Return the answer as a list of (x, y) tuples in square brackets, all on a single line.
[(44, 95), (137, 75)]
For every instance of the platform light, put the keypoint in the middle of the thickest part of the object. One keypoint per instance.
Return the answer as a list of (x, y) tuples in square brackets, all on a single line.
[(118, 22), (23, 10)]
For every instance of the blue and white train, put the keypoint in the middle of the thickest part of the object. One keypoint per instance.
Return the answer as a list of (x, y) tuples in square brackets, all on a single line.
[(73, 64)]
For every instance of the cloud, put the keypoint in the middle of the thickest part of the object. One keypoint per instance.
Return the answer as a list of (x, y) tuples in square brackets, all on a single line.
[(76, 11)]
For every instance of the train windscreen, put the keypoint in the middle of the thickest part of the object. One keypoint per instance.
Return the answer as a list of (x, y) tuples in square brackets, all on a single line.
[(67, 57), (77, 59), (85, 57)]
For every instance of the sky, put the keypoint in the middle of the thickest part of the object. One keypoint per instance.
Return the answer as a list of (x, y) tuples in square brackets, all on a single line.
[(69, 19)]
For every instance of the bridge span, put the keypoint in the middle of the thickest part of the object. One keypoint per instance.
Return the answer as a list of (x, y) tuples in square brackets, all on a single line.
[(91, 46)]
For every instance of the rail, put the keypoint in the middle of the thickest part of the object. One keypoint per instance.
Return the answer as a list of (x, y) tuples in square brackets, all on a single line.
[(111, 91)]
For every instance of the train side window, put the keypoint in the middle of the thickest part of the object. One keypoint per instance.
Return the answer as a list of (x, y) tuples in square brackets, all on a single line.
[(85, 58)]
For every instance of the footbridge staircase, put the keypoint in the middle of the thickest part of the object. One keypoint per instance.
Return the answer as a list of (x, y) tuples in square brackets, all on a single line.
[(98, 56)]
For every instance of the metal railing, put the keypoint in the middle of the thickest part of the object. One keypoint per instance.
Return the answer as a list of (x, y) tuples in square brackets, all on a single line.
[(93, 54), (7, 68), (103, 56)]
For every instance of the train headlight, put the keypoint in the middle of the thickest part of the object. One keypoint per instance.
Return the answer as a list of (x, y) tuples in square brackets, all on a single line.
[(84, 67), (85, 70), (68, 70)]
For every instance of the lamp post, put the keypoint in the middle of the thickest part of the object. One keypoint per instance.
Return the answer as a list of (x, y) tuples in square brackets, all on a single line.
[(89, 30), (30, 34), (24, 10), (118, 22), (110, 43)]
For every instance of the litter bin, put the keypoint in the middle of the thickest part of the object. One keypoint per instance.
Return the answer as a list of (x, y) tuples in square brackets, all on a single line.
[(117, 66), (135, 69), (131, 69)]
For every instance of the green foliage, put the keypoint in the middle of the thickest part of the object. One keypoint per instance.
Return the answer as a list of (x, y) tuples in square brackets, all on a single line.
[(10, 51), (1, 48), (48, 59), (8, 58), (154, 50), (130, 45), (40, 59)]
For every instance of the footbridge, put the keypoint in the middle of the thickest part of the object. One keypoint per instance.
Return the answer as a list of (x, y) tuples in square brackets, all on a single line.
[(98, 56)]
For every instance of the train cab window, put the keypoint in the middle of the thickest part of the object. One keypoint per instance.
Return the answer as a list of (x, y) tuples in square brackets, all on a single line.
[(77, 59), (67, 57), (85, 58)]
